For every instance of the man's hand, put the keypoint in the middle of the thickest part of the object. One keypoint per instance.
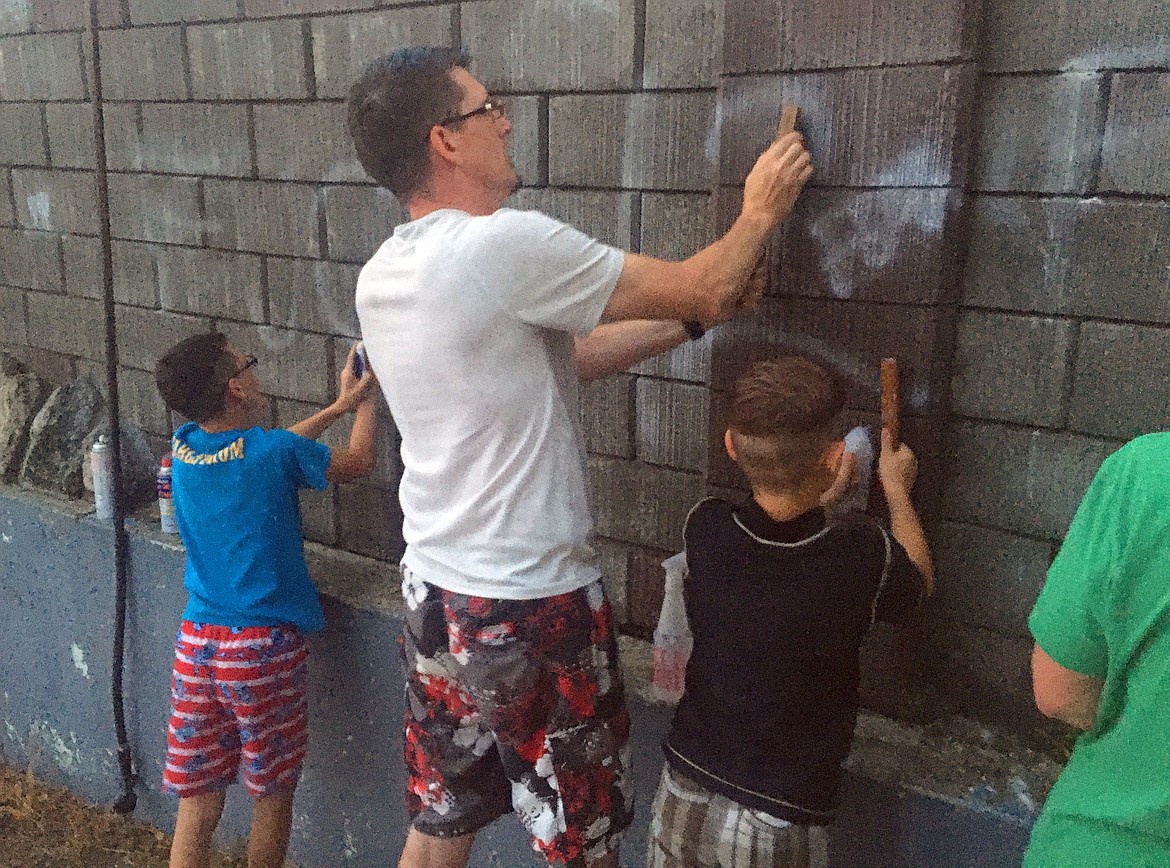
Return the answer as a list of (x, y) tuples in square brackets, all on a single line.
[(775, 181), (897, 467), (350, 390)]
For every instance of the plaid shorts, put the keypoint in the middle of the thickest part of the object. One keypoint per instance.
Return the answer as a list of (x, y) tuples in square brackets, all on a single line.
[(691, 827), (237, 697), (516, 705)]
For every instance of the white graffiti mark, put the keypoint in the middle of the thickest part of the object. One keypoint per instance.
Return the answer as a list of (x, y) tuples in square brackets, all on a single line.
[(40, 210), (1151, 53), (79, 659)]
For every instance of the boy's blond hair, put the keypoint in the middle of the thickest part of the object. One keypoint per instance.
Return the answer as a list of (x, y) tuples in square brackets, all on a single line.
[(784, 414)]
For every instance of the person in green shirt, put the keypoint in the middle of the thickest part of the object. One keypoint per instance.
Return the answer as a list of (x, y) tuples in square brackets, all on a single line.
[(1102, 664)]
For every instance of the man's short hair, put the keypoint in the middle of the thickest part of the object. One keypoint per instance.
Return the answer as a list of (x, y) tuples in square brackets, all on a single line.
[(784, 413), (193, 374), (392, 108)]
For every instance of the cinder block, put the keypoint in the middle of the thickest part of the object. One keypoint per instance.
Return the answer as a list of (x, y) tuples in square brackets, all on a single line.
[(987, 578), (71, 15), (1096, 257), (869, 245), (1012, 368), (187, 139), (319, 516), (607, 416), (645, 589), (22, 134), (1134, 154), (850, 337), (684, 40), (1039, 133), (272, 8), (600, 37), (165, 11), (1121, 387), (605, 215), (529, 139), (140, 402), (262, 216), (642, 504), (615, 566), (31, 260), (676, 226), (306, 143), (57, 368), (672, 424), (249, 60), (213, 283), (143, 64), (12, 315), (370, 521), (344, 44), (647, 140), (15, 18), (806, 34), (7, 211), (41, 66), (690, 361), (56, 201), (292, 364), (135, 274), (70, 127), (1023, 481), (84, 277), (1024, 35), (145, 335), (358, 220), (72, 326), (156, 208), (311, 295), (896, 127)]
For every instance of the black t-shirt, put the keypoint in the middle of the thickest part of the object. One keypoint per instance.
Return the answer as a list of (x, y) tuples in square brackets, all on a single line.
[(778, 611)]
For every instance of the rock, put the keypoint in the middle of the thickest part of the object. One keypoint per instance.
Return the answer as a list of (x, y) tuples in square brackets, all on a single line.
[(21, 394), (57, 437), (139, 464)]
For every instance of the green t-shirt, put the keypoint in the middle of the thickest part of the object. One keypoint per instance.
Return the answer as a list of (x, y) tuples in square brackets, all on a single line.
[(1105, 611)]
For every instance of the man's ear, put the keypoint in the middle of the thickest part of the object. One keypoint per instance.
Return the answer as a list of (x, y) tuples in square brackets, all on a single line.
[(442, 145), (234, 391), (729, 445)]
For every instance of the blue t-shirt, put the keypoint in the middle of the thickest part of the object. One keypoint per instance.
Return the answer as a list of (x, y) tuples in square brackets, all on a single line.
[(239, 517)]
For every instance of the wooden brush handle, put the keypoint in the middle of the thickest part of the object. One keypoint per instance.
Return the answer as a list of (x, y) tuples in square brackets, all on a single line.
[(891, 402), (787, 120)]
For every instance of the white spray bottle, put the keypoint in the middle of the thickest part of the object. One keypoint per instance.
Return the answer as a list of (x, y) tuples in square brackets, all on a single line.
[(859, 444), (672, 637)]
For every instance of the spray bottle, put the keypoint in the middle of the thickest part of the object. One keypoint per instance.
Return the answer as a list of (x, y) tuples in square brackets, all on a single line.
[(859, 444), (166, 500), (672, 637)]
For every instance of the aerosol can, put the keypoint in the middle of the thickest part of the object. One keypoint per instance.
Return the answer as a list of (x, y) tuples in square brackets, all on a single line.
[(672, 637), (102, 464)]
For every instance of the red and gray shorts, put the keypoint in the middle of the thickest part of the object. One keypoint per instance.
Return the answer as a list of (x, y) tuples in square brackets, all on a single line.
[(516, 705), (237, 703)]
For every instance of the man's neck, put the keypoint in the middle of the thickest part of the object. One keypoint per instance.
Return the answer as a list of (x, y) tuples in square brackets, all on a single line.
[(227, 421), (474, 199), (786, 505)]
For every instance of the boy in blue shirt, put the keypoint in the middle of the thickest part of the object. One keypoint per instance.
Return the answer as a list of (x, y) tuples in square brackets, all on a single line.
[(238, 689)]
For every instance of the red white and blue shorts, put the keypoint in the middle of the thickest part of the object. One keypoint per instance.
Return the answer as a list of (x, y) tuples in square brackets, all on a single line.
[(237, 701), (516, 705)]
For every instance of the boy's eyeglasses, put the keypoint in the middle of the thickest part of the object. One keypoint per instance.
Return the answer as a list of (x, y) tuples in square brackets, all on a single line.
[(250, 361), (492, 106)]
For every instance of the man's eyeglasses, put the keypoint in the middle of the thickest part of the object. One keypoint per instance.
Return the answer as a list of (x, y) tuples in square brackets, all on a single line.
[(250, 361), (492, 106)]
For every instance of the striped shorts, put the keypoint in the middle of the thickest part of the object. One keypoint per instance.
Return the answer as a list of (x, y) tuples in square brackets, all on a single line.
[(691, 827), (237, 699)]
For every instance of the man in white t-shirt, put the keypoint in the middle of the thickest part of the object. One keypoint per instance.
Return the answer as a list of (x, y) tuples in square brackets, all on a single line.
[(480, 322)]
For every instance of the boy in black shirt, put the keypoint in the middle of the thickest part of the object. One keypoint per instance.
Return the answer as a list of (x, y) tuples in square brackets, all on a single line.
[(778, 601)]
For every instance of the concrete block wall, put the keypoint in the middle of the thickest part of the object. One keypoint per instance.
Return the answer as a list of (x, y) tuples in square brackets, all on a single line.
[(990, 205)]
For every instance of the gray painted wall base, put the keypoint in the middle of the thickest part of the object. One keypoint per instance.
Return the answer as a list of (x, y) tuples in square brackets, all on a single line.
[(56, 616)]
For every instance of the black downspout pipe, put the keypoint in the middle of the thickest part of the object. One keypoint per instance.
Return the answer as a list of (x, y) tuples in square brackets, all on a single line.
[(127, 797)]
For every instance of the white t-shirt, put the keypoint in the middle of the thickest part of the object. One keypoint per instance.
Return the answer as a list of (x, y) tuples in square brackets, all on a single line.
[(468, 323)]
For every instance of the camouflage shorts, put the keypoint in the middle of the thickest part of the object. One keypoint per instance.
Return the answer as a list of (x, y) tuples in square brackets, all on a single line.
[(516, 705)]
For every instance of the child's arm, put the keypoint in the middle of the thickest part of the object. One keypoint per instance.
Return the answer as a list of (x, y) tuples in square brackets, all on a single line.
[(357, 459), (897, 469)]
